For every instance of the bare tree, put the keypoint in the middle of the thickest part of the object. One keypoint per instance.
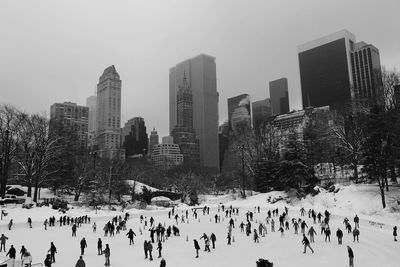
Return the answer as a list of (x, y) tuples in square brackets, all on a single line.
[(10, 123)]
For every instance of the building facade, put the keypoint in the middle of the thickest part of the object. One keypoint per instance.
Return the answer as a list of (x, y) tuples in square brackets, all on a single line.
[(366, 72), (70, 115), (201, 76), (153, 140), (134, 137), (238, 102), (261, 110), (166, 155), (108, 141), (183, 133), (91, 103), (279, 96), (335, 70)]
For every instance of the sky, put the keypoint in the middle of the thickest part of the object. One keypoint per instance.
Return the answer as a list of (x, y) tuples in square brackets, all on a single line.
[(55, 51)]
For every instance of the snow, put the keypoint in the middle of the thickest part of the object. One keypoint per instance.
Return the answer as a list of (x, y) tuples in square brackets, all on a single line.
[(376, 247)]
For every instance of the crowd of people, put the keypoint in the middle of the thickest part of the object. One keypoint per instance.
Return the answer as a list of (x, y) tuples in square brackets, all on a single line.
[(304, 225)]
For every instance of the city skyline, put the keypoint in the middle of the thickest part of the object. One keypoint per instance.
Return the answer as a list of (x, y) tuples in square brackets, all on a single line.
[(261, 39)]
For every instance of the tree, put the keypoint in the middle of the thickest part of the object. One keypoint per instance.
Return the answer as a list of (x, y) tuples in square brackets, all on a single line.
[(376, 149), (349, 130), (11, 120)]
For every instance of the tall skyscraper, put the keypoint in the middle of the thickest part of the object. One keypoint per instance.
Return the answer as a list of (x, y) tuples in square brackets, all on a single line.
[(241, 102), (183, 133), (134, 137), (109, 114), (335, 70), (70, 115), (202, 79), (153, 140), (279, 96), (91, 103), (261, 111), (366, 72)]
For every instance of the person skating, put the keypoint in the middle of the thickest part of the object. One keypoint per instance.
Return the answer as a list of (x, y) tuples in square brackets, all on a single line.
[(213, 239), (356, 222), (10, 224), (306, 244), (83, 246), (30, 222), (351, 256), (303, 226), (196, 247), (130, 235), (47, 261), (328, 234), (22, 251), (356, 234), (229, 237), (255, 237), (80, 262), (311, 233), (107, 255), (339, 235), (27, 259), (73, 229), (207, 245), (159, 248), (150, 248), (99, 247), (163, 263), (53, 251), (11, 252), (3, 239), (395, 233), (94, 227), (45, 223)]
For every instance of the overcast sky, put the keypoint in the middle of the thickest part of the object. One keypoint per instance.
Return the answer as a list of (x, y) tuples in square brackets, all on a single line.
[(54, 51)]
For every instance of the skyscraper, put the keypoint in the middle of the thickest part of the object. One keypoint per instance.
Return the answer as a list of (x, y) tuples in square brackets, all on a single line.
[(366, 72), (241, 101), (91, 103), (335, 70), (109, 113), (261, 111), (183, 133), (72, 116), (134, 137), (279, 96), (153, 140), (202, 79)]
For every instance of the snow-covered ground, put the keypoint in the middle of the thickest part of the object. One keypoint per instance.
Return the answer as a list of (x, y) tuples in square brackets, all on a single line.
[(376, 247)]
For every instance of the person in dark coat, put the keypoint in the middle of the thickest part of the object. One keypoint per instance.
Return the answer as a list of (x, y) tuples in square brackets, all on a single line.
[(22, 251), (351, 256), (306, 244), (395, 233), (11, 252), (145, 247), (107, 255), (159, 248), (83, 246), (130, 235), (3, 239), (53, 251), (356, 234), (150, 248), (47, 261), (80, 262), (163, 263), (196, 247), (339, 235), (213, 239), (99, 247)]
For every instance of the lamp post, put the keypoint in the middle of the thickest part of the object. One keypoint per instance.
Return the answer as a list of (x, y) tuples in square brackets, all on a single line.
[(243, 183)]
